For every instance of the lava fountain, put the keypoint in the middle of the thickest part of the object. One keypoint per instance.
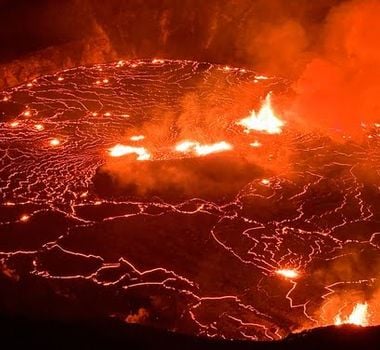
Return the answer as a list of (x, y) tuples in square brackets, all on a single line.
[(263, 121), (359, 316)]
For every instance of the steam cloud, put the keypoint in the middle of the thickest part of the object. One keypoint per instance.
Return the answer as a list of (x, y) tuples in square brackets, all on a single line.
[(202, 115), (218, 178), (339, 87), (330, 50)]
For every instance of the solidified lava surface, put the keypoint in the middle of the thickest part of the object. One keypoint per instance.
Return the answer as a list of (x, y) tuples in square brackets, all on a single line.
[(196, 259)]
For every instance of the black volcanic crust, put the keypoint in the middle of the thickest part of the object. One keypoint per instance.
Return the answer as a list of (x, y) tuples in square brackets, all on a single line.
[(216, 177), (111, 333), (52, 321)]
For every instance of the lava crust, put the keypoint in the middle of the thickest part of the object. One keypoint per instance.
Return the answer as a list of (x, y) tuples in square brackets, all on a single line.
[(274, 233), (216, 178)]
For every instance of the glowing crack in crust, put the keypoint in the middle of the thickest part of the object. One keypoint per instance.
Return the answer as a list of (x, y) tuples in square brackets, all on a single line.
[(259, 266), (202, 150), (121, 150)]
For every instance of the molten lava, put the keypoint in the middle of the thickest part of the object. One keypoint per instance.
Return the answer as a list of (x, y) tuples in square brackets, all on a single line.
[(213, 239), (39, 127), (54, 142), (122, 150), (288, 273), (264, 121), (255, 144), (358, 316), (202, 150), (24, 218), (137, 137), (14, 124)]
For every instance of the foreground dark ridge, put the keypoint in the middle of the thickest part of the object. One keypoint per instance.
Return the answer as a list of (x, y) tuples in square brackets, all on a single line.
[(111, 333)]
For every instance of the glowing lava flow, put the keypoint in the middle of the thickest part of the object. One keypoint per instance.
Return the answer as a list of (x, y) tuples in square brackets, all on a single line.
[(54, 142), (254, 265), (122, 150), (288, 273), (137, 137), (202, 150), (255, 144), (39, 127), (264, 121), (358, 316)]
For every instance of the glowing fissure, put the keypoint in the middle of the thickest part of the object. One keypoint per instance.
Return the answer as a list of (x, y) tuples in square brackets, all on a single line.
[(120, 150), (202, 149)]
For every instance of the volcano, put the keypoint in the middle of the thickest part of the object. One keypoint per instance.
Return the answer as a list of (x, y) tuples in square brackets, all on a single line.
[(199, 223)]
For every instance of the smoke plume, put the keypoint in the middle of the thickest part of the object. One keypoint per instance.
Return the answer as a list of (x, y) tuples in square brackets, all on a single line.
[(339, 87)]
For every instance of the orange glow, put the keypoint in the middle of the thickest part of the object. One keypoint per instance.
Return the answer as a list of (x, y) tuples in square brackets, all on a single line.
[(261, 77), (122, 150), (202, 150), (186, 146), (27, 113), (255, 144), (39, 127), (264, 121), (358, 316), (14, 124), (222, 146), (54, 142), (137, 138), (60, 78), (24, 218), (267, 182), (288, 273)]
